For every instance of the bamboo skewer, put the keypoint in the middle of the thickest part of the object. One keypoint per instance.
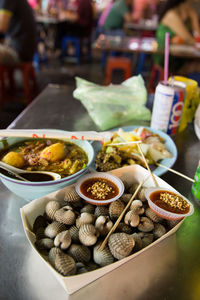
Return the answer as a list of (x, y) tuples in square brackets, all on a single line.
[(175, 172), (121, 215), (146, 163), (124, 143)]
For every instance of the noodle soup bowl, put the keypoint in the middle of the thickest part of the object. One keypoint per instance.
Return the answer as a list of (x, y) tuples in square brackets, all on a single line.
[(33, 190)]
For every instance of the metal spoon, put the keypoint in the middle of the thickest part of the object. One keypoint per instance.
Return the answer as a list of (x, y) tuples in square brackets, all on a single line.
[(16, 172)]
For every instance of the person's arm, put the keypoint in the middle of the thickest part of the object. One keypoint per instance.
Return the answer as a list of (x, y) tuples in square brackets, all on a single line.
[(174, 22), (5, 17), (127, 18), (139, 7), (194, 21)]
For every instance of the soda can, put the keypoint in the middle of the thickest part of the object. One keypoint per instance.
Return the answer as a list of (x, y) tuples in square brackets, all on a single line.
[(167, 107)]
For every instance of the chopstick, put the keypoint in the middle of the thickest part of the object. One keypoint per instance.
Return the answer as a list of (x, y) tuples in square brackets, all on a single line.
[(124, 143), (121, 215), (175, 172)]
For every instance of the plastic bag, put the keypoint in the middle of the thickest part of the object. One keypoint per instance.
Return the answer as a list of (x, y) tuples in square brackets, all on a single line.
[(113, 105)]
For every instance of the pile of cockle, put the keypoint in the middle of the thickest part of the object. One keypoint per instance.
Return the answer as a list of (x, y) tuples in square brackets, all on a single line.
[(70, 232)]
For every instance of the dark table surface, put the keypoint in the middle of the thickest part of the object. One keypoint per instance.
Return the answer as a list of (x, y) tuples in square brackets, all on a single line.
[(169, 270)]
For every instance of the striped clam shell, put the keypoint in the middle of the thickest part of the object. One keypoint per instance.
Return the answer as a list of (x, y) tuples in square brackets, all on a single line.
[(53, 229), (121, 244), (44, 244), (65, 215), (88, 234), (147, 239), (132, 188), (145, 225), (80, 253), (159, 230), (52, 255), (126, 197), (65, 264), (115, 209), (88, 208), (71, 195), (63, 240), (141, 194), (102, 257), (131, 218), (74, 232), (138, 242), (172, 223), (103, 224), (122, 227), (137, 207), (101, 211), (40, 222), (84, 218), (151, 214), (40, 233), (51, 208), (81, 268)]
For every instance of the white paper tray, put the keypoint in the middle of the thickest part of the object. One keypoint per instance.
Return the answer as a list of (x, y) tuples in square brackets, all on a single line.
[(71, 284)]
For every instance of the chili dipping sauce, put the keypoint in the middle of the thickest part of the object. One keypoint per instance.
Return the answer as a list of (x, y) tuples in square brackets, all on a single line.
[(170, 201), (99, 189)]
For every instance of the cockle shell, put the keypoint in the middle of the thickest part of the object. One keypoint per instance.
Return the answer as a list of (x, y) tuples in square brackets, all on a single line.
[(74, 232), (159, 230), (52, 255), (40, 233), (137, 207), (126, 197), (132, 188), (138, 242), (89, 208), (65, 215), (101, 211), (44, 244), (145, 225), (102, 257), (141, 194), (121, 244), (63, 240), (80, 253), (51, 208), (71, 195), (115, 209), (147, 239), (103, 224), (53, 229), (172, 223), (122, 227), (84, 218), (65, 264), (39, 222), (151, 214), (88, 234), (131, 218), (81, 268)]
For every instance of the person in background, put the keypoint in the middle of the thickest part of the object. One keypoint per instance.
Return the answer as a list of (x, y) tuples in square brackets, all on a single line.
[(104, 15), (144, 9), (118, 15), (181, 21), (17, 25)]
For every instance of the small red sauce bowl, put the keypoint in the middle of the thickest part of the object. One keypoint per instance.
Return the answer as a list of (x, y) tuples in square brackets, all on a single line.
[(165, 214), (100, 175)]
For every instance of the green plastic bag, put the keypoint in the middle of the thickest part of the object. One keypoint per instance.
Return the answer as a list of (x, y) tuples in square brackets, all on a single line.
[(113, 105)]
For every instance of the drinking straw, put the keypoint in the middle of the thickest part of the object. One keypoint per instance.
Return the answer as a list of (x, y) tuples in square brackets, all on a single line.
[(166, 65)]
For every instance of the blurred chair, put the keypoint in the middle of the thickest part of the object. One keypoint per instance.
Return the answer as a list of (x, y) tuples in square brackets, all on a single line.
[(156, 75), (117, 63), (29, 80), (78, 44)]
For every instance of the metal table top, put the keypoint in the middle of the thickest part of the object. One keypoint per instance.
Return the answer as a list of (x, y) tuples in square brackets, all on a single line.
[(170, 270)]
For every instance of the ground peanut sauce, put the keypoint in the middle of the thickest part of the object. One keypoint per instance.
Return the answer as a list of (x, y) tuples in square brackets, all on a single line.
[(155, 198), (89, 183)]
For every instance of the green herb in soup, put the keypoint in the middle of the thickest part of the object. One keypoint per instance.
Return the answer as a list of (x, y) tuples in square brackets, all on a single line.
[(52, 155)]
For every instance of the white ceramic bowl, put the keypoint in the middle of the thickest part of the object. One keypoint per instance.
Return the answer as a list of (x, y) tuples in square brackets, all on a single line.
[(162, 212), (33, 190), (103, 175)]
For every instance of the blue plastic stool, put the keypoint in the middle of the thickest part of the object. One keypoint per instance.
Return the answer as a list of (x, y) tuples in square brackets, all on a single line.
[(74, 40)]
